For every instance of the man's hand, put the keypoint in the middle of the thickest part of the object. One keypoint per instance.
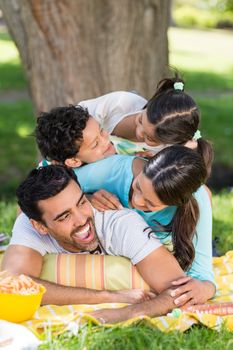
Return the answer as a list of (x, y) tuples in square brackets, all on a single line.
[(191, 291), (134, 296), (110, 315), (103, 200), (157, 306)]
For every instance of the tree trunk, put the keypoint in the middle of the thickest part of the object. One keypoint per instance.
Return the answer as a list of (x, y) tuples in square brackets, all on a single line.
[(78, 49)]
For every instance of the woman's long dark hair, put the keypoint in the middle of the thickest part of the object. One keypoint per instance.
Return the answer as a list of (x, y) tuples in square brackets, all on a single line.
[(176, 173), (176, 118)]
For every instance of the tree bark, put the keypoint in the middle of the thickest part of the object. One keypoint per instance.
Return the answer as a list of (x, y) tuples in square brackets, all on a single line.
[(78, 49)]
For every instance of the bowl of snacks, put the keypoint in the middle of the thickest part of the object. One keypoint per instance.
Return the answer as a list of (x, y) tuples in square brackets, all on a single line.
[(20, 297)]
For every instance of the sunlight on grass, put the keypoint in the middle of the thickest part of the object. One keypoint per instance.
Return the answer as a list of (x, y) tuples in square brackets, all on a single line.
[(24, 131), (208, 51), (11, 71), (9, 52)]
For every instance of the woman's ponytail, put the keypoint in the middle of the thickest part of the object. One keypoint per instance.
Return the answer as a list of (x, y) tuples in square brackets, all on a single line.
[(183, 228)]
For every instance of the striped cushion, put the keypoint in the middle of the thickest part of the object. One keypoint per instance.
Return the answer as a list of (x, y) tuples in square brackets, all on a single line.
[(91, 271)]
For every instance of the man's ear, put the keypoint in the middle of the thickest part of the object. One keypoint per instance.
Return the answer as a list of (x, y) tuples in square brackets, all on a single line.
[(74, 162), (38, 226)]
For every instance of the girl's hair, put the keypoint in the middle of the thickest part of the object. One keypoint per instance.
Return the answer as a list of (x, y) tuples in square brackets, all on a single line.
[(176, 118), (176, 173)]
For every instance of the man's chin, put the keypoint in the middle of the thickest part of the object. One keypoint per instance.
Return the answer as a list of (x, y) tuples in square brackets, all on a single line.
[(89, 247)]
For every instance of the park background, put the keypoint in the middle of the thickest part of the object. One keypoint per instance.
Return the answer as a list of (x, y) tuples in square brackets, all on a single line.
[(201, 48)]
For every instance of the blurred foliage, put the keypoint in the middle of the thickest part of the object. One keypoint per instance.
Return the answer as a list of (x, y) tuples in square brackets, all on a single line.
[(203, 14)]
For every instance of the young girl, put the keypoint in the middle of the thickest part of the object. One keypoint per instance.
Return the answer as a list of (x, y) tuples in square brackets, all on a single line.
[(166, 191), (170, 117)]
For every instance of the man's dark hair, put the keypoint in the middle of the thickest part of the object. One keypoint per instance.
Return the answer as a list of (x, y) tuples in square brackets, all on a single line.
[(59, 133), (42, 183)]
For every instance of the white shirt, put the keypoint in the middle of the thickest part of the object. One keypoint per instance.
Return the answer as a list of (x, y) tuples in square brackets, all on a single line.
[(120, 232)]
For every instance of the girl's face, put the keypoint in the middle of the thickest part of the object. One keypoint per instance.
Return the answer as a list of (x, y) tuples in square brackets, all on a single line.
[(143, 195), (145, 130)]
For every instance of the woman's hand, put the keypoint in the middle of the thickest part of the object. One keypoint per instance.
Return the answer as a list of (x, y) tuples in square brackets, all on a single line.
[(191, 291), (103, 200)]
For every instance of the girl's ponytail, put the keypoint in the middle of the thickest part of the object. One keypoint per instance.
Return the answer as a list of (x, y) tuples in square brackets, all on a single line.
[(206, 151)]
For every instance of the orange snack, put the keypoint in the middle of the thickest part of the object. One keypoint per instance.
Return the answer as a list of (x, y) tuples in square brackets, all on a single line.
[(20, 297), (17, 284)]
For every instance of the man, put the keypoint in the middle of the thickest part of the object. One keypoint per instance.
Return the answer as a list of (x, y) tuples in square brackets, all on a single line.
[(62, 220)]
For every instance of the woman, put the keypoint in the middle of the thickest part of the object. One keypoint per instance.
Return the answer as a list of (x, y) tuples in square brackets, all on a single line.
[(166, 191), (170, 117)]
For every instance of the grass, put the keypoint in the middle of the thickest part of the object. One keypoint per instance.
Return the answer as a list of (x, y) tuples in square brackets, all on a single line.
[(17, 148), (140, 337), (216, 113), (222, 220), (11, 71), (204, 58)]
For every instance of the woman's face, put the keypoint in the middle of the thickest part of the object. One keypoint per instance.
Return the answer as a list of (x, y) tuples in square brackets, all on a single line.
[(143, 196), (145, 130)]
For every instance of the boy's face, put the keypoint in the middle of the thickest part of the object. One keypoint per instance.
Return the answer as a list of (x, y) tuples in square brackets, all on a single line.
[(96, 144)]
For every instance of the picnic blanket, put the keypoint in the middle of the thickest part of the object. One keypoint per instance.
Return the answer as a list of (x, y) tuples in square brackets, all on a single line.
[(62, 318)]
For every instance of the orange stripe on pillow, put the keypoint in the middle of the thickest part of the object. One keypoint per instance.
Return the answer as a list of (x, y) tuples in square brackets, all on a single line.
[(58, 269), (137, 281), (80, 263), (71, 276)]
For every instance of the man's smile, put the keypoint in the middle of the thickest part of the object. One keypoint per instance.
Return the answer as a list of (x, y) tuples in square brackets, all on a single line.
[(85, 234)]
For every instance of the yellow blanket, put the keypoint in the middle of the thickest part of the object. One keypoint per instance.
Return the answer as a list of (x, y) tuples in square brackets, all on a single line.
[(59, 318)]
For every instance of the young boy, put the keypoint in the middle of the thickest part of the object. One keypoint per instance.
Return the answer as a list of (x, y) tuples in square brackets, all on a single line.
[(69, 135)]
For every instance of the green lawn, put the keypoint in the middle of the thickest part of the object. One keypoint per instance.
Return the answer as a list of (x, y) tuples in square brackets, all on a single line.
[(204, 58), (142, 337), (11, 72)]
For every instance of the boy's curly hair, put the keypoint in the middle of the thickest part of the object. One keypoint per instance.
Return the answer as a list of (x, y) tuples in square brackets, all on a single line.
[(59, 133)]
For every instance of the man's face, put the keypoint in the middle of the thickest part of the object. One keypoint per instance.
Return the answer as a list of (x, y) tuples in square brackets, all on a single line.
[(68, 217), (96, 144)]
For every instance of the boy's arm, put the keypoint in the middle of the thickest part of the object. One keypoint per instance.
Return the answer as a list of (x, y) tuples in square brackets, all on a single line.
[(23, 260)]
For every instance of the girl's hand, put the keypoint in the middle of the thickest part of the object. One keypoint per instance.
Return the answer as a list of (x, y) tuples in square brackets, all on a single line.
[(191, 291), (103, 200)]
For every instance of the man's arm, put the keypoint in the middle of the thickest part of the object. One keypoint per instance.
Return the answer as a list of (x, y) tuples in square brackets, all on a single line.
[(159, 269), (160, 305), (23, 260)]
